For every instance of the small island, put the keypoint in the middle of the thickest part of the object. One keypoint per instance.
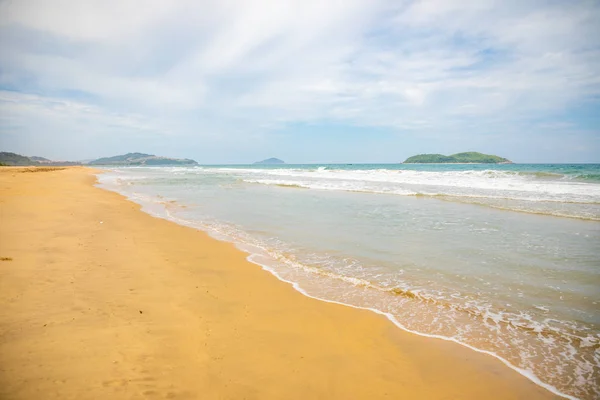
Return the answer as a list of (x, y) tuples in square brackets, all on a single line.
[(471, 157), (270, 161)]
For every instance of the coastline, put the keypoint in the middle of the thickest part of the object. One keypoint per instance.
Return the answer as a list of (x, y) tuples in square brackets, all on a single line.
[(102, 300)]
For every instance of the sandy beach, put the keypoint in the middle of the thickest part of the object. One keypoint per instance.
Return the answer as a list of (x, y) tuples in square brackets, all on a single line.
[(99, 300)]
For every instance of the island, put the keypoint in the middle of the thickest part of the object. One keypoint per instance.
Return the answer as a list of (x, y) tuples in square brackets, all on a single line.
[(140, 159), (470, 157), (270, 161)]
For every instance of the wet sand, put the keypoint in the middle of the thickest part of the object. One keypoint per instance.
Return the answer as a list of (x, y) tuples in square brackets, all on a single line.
[(99, 300)]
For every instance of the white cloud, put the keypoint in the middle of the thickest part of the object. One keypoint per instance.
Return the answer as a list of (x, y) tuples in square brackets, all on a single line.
[(89, 20), (234, 67)]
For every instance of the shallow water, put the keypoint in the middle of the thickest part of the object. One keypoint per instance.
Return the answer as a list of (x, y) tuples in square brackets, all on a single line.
[(503, 258)]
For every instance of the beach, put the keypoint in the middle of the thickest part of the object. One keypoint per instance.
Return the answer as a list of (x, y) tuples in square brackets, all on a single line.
[(100, 300)]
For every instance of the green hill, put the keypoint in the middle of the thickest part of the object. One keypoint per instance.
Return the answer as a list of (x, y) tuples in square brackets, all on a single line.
[(11, 159), (15, 159), (468, 157), (141, 159)]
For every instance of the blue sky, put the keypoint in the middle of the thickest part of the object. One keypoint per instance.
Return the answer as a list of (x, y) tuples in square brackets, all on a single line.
[(307, 81)]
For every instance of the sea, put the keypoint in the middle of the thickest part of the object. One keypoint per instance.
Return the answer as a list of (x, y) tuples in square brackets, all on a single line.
[(503, 259)]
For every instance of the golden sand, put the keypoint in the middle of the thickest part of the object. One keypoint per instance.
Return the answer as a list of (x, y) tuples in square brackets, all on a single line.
[(99, 300)]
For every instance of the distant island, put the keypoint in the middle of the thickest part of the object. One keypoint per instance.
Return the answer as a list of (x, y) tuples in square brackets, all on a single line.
[(13, 159), (471, 157), (141, 159), (270, 161)]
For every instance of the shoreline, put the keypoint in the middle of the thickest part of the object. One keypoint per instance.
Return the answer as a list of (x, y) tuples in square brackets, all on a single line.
[(296, 286), (115, 292), (399, 325)]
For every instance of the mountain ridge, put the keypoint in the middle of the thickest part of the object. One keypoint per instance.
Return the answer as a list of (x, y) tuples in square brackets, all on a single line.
[(141, 159), (14, 159)]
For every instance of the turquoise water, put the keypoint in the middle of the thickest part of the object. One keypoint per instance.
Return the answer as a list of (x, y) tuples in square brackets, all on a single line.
[(502, 258)]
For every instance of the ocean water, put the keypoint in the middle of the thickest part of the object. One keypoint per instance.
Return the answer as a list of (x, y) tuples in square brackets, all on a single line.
[(504, 259)]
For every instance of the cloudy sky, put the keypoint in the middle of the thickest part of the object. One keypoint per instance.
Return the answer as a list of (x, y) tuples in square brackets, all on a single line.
[(234, 81)]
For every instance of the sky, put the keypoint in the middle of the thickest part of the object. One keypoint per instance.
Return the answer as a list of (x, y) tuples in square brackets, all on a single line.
[(236, 81)]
